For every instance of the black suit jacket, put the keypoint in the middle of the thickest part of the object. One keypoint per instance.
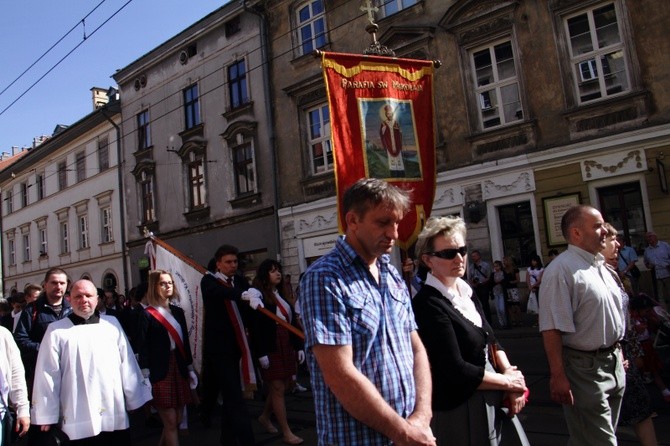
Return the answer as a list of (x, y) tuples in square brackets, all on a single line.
[(219, 339), (455, 347), (154, 346)]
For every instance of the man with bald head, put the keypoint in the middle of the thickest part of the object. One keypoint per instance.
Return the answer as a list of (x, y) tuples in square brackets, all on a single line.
[(582, 322), (87, 378)]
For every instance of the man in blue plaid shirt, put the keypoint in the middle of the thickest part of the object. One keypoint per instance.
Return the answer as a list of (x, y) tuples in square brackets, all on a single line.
[(370, 373)]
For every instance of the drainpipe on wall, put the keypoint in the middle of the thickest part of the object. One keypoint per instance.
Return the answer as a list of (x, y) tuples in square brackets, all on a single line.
[(121, 203), (269, 112)]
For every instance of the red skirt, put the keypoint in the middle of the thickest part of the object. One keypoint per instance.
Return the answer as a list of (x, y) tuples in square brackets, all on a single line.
[(173, 391), (283, 361)]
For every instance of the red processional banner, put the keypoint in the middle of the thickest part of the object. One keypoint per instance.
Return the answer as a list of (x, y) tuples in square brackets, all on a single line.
[(381, 121)]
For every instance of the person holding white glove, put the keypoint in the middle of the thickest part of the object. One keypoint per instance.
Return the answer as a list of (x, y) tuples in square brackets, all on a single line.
[(275, 347)]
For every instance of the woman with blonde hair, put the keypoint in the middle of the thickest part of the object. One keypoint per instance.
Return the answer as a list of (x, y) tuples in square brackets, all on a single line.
[(165, 354), (476, 391)]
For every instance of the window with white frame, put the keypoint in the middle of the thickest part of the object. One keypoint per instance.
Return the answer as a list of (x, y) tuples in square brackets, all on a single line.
[(318, 133), (43, 242), (191, 106), (106, 225), (390, 7), (237, 84), (62, 175), (41, 186), (10, 201), (80, 163), (196, 181), (311, 26), (103, 154), (245, 176), (496, 84), (597, 53), (26, 247), (24, 194), (83, 231), (11, 255), (64, 238), (143, 130)]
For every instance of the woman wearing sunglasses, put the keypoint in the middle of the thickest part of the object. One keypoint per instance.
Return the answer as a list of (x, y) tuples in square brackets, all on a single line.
[(473, 404)]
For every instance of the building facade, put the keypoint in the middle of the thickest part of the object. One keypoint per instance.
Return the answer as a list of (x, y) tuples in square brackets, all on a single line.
[(539, 105), (199, 169), (61, 204)]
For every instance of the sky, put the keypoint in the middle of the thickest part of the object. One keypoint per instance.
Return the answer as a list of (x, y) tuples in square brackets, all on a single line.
[(29, 28)]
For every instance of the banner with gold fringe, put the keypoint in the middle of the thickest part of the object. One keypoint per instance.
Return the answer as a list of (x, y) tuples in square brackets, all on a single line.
[(382, 126)]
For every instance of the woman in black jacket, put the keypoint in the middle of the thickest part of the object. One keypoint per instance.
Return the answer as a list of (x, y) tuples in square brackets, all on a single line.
[(468, 392), (274, 346), (165, 354)]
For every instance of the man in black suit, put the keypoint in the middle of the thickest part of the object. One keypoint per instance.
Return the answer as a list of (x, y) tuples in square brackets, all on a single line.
[(221, 351)]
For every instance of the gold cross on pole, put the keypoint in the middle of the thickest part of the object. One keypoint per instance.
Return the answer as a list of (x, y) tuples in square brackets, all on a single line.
[(370, 10)]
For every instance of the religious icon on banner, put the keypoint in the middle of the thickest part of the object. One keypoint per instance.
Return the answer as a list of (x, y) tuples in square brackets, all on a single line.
[(381, 122), (391, 147)]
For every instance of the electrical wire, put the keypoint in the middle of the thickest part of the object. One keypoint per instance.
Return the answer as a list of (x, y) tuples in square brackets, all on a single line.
[(203, 94), (52, 47)]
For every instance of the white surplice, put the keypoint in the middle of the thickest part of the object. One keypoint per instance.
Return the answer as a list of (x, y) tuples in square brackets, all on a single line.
[(87, 378)]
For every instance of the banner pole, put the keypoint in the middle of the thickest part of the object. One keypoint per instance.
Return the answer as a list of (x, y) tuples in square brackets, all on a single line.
[(203, 270)]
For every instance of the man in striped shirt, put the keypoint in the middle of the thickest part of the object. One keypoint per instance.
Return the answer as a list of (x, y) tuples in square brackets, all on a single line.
[(369, 369)]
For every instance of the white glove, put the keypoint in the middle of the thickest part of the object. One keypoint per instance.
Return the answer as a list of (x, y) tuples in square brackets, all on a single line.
[(192, 380), (145, 373), (264, 361), (301, 356), (254, 297)]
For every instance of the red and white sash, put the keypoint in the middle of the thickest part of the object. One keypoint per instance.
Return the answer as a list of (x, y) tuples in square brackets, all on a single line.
[(248, 374), (173, 328)]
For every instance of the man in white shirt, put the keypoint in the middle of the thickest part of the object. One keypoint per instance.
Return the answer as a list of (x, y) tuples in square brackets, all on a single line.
[(87, 377), (582, 322)]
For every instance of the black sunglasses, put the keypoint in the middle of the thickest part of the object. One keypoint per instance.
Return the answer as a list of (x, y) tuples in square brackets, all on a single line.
[(450, 253)]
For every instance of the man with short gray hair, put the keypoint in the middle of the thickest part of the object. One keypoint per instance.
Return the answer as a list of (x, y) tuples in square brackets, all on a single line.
[(582, 322)]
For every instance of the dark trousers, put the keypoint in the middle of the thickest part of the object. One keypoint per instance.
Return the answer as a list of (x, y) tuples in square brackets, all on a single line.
[(483, 292), (222, 375)]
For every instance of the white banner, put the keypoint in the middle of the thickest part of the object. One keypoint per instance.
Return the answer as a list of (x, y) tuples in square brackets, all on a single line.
[(187, 283)]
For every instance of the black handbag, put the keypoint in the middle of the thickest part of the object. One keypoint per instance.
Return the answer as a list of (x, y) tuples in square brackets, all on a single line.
[(8, 434)]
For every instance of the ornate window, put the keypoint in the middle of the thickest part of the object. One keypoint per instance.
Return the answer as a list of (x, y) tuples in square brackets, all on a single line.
[(597, 53), (196, 181), (106, 235), (245, 176), (83, 231), (311, 26), (496, 84), (318, 139)]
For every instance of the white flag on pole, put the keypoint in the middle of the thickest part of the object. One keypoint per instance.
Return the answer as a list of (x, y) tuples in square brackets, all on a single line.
[(187, 283)]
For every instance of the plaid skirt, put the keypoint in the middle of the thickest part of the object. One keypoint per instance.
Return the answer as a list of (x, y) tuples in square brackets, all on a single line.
[(173, 391), (283, 361)]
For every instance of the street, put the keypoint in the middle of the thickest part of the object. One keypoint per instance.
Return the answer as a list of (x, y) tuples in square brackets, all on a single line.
[(542, 419)]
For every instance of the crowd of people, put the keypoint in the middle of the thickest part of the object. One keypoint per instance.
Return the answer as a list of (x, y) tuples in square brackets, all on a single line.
[(388, 364)]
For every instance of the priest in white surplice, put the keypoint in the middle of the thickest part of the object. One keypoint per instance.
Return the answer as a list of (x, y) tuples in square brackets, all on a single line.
[(87, 377)]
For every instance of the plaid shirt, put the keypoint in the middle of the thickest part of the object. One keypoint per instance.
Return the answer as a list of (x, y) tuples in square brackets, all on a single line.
[(342, 304)]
